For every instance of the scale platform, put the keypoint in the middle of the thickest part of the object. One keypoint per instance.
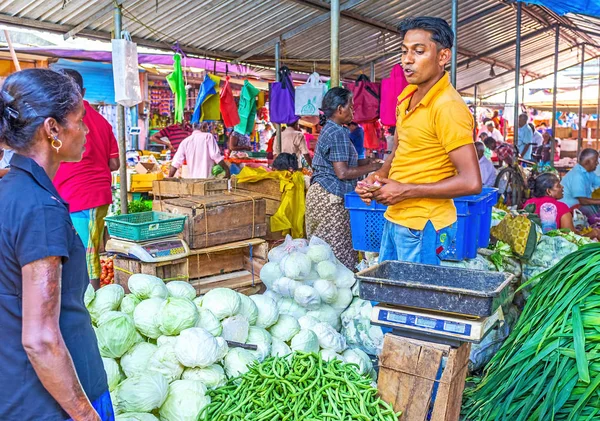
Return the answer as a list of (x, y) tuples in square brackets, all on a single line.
[(153, 251), (447, 328)]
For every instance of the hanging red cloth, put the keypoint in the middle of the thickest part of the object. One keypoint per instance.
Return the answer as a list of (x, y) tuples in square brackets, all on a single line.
[(372, 135), (228, 107)]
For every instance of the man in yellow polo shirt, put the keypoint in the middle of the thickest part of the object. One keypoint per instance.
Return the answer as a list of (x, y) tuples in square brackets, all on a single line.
[(435, 158)]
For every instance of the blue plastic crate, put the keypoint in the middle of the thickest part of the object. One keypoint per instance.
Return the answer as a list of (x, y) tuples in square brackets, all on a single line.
[(486, 219), (366, 223)]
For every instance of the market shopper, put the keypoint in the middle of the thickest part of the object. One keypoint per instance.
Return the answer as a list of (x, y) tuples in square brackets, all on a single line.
[(294, 142), (51, 366), (435, 160), (492, 131), (504, 151), (172, 136), (239, 142), (336, 170), (5, 157), (357, 137), (86, 185), (201, 153), (525, 142), (580, 183), (548, 192), (486, 168)]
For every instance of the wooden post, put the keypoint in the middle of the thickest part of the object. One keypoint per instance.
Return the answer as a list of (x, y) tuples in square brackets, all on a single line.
[(12, 51)]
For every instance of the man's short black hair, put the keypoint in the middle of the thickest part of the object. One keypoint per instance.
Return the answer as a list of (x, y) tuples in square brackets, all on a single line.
[(285, 161), (353, 123), (440, 31), (76, 76)]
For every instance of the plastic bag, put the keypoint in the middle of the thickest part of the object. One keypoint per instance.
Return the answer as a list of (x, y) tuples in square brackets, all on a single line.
[(125, 71), (309, 96), (391, 88), (227, 106), (281, 101), (289, 246), (366, 99)]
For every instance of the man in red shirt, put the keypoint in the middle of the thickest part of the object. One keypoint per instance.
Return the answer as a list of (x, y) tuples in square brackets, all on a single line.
[(175, 133), (86, 185)]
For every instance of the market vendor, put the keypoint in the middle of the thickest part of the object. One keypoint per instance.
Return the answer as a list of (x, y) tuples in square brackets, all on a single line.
[(5, 157), (51, 365), (525, 143), (486, 168), (294, 142), (492, 131), (504, 151), (201, 153), (336, 170), (239, 142), (580, 183), (435, 160), (172, 136), (357, 137)]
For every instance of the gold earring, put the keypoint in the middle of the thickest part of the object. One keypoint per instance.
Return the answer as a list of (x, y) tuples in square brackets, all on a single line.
[(56, 139)]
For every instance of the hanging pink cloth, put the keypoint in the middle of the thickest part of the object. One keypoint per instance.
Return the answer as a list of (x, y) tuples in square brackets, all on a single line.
[(391, 88)]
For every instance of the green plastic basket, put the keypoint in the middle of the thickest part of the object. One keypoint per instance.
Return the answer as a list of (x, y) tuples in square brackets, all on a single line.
[(144, 226)]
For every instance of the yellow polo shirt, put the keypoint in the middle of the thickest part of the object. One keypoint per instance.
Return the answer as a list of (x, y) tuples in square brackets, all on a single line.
[(440, 123)]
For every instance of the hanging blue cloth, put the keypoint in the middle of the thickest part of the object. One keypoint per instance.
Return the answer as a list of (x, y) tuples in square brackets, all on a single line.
[(206, 90), (562, 7)]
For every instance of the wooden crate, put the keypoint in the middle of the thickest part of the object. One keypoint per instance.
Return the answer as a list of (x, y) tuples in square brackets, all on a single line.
[(268, 188), (167, 271), (218, 219), (409, 371), (185, 187), (563, 132)]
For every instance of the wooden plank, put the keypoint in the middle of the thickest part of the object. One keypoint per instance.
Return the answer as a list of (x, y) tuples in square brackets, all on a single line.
[(182, 187), (449, 397), (272, 206), (262, 247), (269, 187), (273, 235), (236, 280), (202, 265)]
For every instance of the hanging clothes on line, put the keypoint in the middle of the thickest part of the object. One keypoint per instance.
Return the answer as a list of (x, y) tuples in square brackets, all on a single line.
[(227, 105), (247, 108), (207, 103), (177, 85)]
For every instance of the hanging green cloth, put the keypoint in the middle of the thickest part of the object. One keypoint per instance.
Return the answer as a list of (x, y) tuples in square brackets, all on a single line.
[(177, 85), (247, 109)]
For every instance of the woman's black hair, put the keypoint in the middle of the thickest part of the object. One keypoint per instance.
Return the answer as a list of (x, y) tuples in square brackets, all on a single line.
[(543, 183), (440, 31), (334, 98), (285, 161), (30, 96)]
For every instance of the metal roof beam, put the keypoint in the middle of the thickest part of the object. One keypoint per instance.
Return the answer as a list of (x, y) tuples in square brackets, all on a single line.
[(483, 13), (102, 12)]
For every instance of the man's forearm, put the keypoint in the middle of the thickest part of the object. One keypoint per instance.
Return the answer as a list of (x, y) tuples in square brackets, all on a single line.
[(588, 201), (459, 185)]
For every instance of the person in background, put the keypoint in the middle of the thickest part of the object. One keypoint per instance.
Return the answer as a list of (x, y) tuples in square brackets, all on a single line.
[(497, 121), (537, 138), (336, 170), (285, 162), (486, 168), (86, 185), (389, 140), (543, 152), (239, 142), (5, 157), (357, 137), (201, 152), (294, 142), (580, 183), (525, 143), (51, 365), (493, 132), (504, 151), (172, 136), (435, 160)]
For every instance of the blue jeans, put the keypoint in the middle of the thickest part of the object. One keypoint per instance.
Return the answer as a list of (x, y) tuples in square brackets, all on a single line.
[(410, 245)]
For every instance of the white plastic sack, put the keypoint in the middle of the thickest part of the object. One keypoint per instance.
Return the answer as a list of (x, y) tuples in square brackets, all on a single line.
[(309, 96), (125, 72)]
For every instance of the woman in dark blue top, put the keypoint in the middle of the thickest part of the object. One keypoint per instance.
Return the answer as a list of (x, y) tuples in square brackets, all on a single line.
[(336, 170), (51, 369)]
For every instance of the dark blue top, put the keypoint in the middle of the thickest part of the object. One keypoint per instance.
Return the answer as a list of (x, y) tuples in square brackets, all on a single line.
[(333, 146), (35, 224), (357, 137)]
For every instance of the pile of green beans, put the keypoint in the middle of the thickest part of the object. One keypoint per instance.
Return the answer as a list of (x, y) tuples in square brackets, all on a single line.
[(298, 387)]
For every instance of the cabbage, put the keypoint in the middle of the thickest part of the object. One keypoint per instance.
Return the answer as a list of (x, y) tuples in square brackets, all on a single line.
[(296, 266), (147, 286), (344, 277), (273, 295), (129, 303), (89, 295), (291, 308), (327, 314), (135, 361), (145, 317), (212, 376), (143, 393), (308, 322), (136, 416), (286, 286), (236, 328), (343, 300), (269, 273), (327, 270), (307, 297), (279, 348), (268, 313), (329, 355), (113, 373), (237, 361), (107, 298), (165, 362), (358, 357), (326, 290), (329, 338), (248, 309), (222, 302), (185, 401), (196, 347), (198, 301), (116, 334), (208, 321), (181, 289), (177, 314), (261, 338), (319, 253), (166, 340), (305, 341), (285, 328), (359, 333)]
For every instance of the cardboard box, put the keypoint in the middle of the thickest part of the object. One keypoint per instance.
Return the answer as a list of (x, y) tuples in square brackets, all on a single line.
[(147, 168)]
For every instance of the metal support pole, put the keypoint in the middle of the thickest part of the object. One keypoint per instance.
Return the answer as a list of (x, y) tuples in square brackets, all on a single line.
[(598, 110), (580, 134), (121, 126), (554, 92), (372, 71), (517, 75), (277, 68), (12, 51), (335, 43), (475, 89), (453, 69), (504, 126)]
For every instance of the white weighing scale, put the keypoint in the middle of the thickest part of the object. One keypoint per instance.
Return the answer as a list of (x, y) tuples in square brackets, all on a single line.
[(152, 251), (441, 327)]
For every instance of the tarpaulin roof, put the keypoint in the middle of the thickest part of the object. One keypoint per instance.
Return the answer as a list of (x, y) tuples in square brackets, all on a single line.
[(562, 7)]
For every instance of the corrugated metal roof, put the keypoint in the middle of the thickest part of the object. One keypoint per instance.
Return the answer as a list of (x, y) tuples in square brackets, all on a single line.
[(229, 29)]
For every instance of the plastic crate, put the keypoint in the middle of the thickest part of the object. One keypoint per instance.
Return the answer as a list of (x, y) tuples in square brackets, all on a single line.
[(144, 226), (473, 212)]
